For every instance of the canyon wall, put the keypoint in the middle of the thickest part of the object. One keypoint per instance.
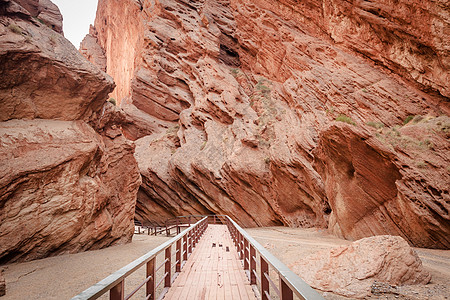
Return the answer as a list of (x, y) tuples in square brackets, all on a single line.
[(68, 176), (299, 113)]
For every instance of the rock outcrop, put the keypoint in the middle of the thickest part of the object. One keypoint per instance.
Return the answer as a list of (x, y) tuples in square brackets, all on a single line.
[(69, 178), (286, 113), (352, 270)]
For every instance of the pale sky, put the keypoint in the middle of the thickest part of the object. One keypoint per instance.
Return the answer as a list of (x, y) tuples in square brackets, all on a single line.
[(77, 16)]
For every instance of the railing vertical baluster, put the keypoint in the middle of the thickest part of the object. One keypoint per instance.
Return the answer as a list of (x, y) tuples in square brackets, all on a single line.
[(150, 285), (190, 242), (167, 231), (239, 245), (246, 256), (264, 280), (117, 292), (285, 291), (168, 279), (178, 256), (185, 247), (252, 264), (242, 246)]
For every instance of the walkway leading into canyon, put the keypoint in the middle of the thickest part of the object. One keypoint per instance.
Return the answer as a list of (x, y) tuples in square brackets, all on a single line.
[(213, 271), (211, 259)]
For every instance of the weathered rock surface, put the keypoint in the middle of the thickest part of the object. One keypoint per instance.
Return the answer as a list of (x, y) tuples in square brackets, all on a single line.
[(69, 179), (249, 101), (63, 189), (46, 93), (351, 270), (90, 49), (50, 15)]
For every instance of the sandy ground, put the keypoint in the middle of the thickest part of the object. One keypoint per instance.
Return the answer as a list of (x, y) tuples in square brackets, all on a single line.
[(288, 244), (62, 277), (65, 276)]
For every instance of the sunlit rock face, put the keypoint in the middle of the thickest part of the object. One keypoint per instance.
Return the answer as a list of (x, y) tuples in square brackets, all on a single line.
[(68, 176), (287, 113)]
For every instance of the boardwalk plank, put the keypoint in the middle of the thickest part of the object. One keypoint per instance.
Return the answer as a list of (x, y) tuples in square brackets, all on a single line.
[(212, 272)]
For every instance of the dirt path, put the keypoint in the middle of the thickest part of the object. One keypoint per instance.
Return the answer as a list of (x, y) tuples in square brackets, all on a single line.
[(63, 277)]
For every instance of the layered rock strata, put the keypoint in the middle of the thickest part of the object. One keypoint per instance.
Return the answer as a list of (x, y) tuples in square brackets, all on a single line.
[(283, 113), (68, 179)]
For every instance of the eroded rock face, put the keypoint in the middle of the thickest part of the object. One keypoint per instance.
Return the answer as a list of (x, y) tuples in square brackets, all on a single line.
[(248, 103), (351, 270), (92, 51), (63, 189), (69, 179), (45, 93)]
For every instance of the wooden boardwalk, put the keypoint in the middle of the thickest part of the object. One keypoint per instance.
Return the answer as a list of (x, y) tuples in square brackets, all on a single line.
[(213, 271)]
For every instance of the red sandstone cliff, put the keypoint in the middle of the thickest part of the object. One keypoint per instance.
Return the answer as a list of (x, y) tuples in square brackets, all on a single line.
[(68, 177), (287, 112)]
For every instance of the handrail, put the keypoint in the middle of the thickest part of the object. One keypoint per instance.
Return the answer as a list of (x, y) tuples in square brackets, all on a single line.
[(118, 277), (292, 280), (247, 248)]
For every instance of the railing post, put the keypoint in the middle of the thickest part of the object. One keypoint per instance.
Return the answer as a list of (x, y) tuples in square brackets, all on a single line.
[(242, 246), (117, 292), (252, 265), (185, 246), (178, 226), (285, 291), (167, 231), (168, 279), (214, 219), (178, 256), (264, 280), (239, 245), (190, 241), (246, 256), (150, 286)]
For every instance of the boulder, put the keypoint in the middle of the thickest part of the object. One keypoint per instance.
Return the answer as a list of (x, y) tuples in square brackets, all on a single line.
[(352, 270)]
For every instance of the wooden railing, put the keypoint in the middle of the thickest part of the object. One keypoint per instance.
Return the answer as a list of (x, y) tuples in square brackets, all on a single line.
[(256, 260), (115, 283), (257, 270), (177, 223)]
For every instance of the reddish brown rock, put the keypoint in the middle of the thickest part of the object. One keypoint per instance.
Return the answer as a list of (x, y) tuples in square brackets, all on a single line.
[(2, 284), (352, 270), (69, 179), (90, 49), (252, 90), (27, 45), (50, 15), (379, 184), (63, 188)]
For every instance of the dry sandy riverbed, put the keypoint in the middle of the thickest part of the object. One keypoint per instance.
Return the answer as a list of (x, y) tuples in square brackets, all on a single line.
[(64, 276)]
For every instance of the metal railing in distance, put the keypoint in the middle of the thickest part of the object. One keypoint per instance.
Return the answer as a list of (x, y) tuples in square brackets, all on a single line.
[(115, 283), (289, 282)]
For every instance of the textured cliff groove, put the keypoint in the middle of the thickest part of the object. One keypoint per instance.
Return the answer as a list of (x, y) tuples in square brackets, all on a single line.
[(261, 92)]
